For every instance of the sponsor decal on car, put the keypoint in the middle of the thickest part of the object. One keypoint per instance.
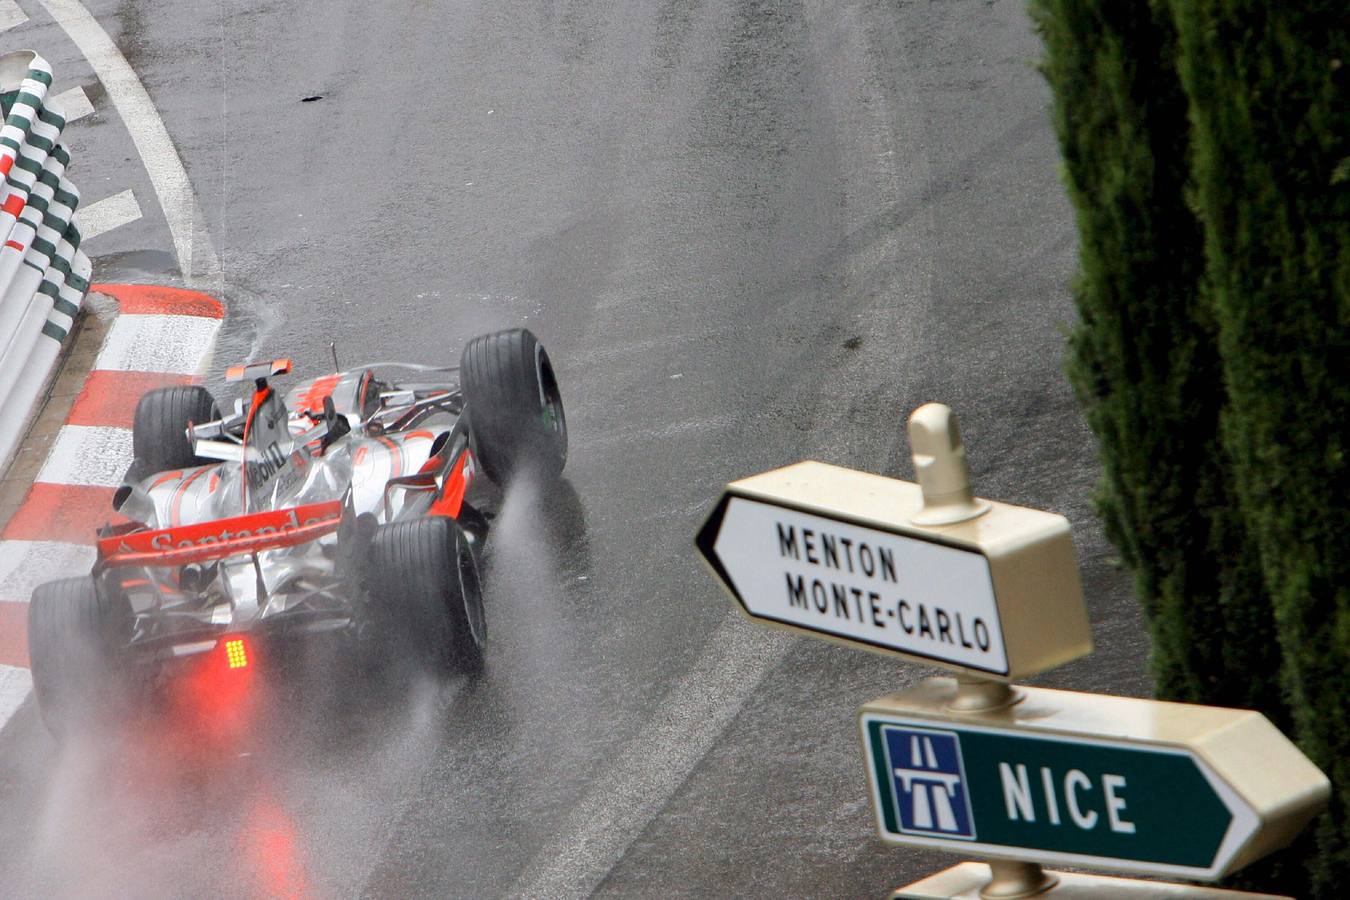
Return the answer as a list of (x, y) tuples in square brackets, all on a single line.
[(272, 524), (270, 461)]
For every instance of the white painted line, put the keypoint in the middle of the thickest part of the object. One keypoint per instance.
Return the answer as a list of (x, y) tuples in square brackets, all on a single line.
[(75, 102), (26, 564), (652, 768), (11, 15), (684, 727), (104, 215), (178, 344), (15, 683), (196, 256), (95, 455), (664, 434)]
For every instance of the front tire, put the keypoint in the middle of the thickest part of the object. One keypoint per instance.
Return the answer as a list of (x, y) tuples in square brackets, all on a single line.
[(425, 589), (159, 431), (514, 406), (69, 651)]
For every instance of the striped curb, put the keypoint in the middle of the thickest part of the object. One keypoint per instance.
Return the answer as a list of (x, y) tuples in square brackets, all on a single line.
[(161, 336), (43, 273)]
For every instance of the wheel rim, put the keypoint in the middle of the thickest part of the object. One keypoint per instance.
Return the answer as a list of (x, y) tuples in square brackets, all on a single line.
[(550, 398), (471, 590)]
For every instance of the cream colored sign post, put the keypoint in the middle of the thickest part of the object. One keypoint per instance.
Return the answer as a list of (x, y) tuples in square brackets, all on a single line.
[(1021, 776), (1027, 775), (922, 571), (976, 881)]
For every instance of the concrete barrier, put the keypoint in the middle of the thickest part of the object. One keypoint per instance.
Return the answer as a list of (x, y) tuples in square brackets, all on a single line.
[(43, 274)]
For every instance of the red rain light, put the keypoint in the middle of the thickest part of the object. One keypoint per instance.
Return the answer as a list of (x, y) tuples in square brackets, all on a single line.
[(214, 697), (236, 654)]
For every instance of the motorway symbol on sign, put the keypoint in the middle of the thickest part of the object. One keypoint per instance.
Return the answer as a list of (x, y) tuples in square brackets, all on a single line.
[(931, 782), (1055, 779), (842, 554)]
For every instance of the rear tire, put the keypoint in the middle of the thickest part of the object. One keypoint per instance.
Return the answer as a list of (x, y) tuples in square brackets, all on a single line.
[(68, 648), (426, 592), (515, 409), (159, 431)]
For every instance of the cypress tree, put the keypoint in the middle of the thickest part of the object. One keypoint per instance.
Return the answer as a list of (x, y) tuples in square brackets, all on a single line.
[(1268, 93), (1143, 358)]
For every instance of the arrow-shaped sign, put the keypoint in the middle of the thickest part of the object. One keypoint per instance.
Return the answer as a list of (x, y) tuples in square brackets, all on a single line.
[(1103, 782), (864, 584), (838, 554)]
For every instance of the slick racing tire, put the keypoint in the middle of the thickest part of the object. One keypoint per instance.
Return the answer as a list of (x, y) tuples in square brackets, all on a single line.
[(425, 589), (159, 431), (515, 409), (68, 649)]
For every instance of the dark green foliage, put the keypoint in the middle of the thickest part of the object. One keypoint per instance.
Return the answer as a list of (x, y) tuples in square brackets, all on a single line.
[(1211, 356), (1143, 359), (1270, 106)]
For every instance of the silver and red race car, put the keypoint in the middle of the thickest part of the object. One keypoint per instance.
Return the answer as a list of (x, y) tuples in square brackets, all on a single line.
[(342, 510)]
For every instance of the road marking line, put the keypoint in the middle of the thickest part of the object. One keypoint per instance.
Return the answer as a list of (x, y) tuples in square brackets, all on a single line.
[(15, 683), (88, 454), (662, 434), (75, 102), (196, 256), (628, 796), (686, 724), (104, 215), (178, 344), (61, 512), (26, 564), (11, 15)]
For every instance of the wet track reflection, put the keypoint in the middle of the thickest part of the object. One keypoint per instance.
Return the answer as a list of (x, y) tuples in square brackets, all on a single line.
[(272, 778), (748, 233)]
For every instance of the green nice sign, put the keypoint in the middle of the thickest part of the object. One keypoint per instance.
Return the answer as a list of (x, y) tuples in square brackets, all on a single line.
[(1052, 798)]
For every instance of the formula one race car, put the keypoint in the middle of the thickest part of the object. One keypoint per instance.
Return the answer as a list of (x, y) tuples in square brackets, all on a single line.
[(341, 510)]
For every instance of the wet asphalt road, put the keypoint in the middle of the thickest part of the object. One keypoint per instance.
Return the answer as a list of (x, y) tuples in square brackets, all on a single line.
[(749, 233)]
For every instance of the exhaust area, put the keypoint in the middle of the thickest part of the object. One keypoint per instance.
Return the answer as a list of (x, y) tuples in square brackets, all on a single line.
[(247, 775)]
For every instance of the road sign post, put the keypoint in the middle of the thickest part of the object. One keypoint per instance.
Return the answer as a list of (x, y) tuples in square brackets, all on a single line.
[(1021, 776), (977, 881)]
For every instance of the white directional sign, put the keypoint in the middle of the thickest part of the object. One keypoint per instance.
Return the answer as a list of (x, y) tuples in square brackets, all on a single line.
[(836, 553), (863, 584)]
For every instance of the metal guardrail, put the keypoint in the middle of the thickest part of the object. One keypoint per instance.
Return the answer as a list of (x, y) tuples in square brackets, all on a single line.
[(43, 275)]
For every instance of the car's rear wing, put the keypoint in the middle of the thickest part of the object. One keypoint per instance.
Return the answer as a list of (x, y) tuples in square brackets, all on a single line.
[(217, 539)]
